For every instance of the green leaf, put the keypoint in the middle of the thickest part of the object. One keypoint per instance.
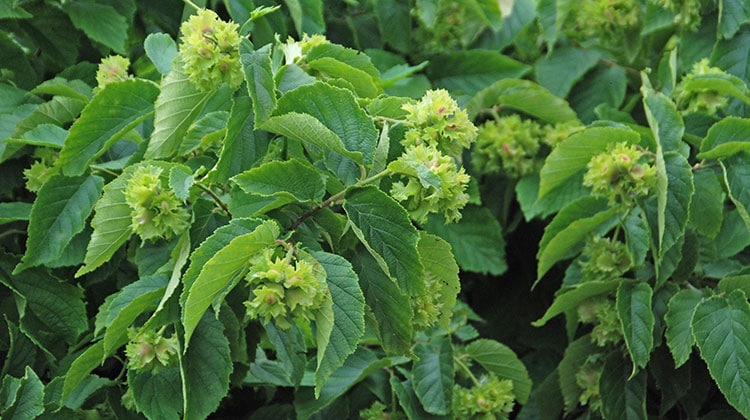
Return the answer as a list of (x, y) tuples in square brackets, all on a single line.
[(112, 113), (570, 227), (24, 398), (9, 9), (561, 69), (622, 397), (338, 110), (306, 128), (364, 85), (574, 357), (525, 96), (348, 316), (59, 213), (81, 367), (731, 283), (292, 179), (259, 76), (605, 84), (572, 155), (157, 396), (394, 23), (384, 227), (570, 299), (112, 223), (13, 212), (637, 234), (736, 171), (134, 300), (307, 16), (45, 135), (720, 327), (408, 400), (180, 181), (707, 207), (213, 244), (727, 137), (206, 369), (440, 268), (54, 311), (88, 17), (223, 270), (242, 145), (356, 367), (732, 15), (637, 317), (731, 54), (76, 89), (679, 194), (161, 50), (665, 122), (464, 73), (477, 240), (433, 375), (499, 359), (178, 105), (57, 111), (390, 306)]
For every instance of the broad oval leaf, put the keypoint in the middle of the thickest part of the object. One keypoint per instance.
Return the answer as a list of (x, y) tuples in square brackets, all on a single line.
[(224, 269), (707, 207), (59, 213), (665, 122), (259, 77), (306, 128), (727, 137), (157, 396), (161, 50), (178, 105), (465, 73), (206, 368), (571, 298), (678, 195), (560, 239), (563, 67), (339, 111), (503, 362), (634, 309), (348, 323), (390, 306), (387, 232), (476, 240), (679, 316), (525, 96), (88, 17), (721, 327), (113, 112), (433, 373), (572, 155), (623, 397), (300, 181), (27, 399)]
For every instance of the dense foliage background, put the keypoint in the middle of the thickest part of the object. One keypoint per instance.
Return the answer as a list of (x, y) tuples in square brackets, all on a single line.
[(375, 209)]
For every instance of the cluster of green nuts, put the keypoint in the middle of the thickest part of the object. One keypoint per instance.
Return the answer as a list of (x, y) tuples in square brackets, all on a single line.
[(42, 169), (438, 133), (702, 100), (512, 146), (209, 51), (379, 411), (491, 397), (441, 25), (687, 13), (605, 259), (622, 173), (602, 313), (149, 350), (609, 20), (112, 69), (156, 211), (587, 378), (285, 286)]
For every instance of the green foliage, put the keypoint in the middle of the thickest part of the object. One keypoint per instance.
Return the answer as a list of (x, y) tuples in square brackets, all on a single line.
[(285, 210)]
